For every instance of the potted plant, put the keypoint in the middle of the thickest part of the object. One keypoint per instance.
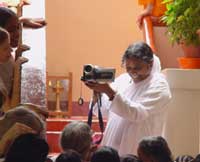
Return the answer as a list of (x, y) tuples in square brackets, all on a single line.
[(183, 23)]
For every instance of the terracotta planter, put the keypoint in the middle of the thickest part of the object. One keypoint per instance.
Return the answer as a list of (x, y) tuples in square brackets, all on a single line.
[(191, 59), (190, 51), (189, 63)]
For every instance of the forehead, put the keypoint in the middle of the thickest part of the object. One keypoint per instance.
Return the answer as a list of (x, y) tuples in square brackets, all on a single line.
[(134, 62)]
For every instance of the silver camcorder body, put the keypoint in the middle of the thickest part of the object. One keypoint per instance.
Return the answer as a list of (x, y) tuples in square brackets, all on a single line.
[(98, 74)]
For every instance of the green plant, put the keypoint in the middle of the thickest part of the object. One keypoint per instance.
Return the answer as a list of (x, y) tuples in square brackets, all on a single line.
[(183, 20)]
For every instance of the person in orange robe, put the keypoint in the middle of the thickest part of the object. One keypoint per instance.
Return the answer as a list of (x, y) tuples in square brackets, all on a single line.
[(154, 8)]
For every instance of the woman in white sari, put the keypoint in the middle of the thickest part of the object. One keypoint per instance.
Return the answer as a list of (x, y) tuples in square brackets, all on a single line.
[(135, 103)]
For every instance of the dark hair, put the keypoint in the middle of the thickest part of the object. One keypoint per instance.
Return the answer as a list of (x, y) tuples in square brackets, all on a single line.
[(129, 158), (28, 148), (105, 154), (3, 35), (139, 50), (69, 156), (6, 14), (197, 158), (157, 148)]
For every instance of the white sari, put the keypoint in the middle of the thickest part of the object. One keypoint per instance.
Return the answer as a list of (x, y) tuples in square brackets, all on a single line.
[(137, 110)]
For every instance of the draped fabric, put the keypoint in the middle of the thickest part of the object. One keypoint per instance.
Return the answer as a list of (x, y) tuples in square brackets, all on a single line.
[(137, 110), (7, 75), (6, 80)]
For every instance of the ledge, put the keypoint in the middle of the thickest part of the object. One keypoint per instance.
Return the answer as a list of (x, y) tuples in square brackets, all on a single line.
[(188, 79)]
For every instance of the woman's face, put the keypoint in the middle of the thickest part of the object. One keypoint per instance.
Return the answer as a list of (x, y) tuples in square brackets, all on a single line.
[(12, 27), (5, 51), (138, 69)]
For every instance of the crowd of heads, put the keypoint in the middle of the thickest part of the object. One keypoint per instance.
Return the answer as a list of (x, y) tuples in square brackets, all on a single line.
[(76, 144)]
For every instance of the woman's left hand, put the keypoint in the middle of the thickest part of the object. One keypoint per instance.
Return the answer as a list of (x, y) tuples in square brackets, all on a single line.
[(101, 88), (98, 87)]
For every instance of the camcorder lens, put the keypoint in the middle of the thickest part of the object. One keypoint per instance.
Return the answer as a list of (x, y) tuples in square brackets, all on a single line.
[(88, 68)]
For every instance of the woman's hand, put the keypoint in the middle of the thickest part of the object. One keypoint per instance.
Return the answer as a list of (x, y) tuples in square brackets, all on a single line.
[(98, 87), (101, 88), (34, 23), (146, 12)]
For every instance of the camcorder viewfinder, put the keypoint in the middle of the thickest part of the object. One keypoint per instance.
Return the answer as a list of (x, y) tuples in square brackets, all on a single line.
[(98, 74)]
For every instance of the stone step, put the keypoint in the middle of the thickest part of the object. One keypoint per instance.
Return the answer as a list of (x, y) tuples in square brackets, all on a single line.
[(53, 141), (57, 124)]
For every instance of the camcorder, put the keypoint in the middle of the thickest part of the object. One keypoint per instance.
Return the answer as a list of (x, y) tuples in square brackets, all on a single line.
[(97, 74)]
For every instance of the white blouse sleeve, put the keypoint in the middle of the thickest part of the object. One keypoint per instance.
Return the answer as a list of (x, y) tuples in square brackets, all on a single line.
[(152, 100)]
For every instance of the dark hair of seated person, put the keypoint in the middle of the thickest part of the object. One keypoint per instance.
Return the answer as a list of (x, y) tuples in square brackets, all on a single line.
[(105, 154), (69, 156), (197, 158), (27, 148), (154, 148), (129, 158)]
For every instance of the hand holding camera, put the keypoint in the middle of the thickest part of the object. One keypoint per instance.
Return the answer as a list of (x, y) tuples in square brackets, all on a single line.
[(99, 88)]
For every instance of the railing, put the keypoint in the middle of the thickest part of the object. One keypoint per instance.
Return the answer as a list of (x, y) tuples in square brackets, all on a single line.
[(154, 35), (148, 23), (148, 32)]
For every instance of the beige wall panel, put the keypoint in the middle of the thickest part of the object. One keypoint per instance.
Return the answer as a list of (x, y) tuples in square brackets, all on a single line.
[(88, 31)]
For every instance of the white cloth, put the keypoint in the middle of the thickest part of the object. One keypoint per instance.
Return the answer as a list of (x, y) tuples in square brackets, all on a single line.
[(137, 110), (156, 64)]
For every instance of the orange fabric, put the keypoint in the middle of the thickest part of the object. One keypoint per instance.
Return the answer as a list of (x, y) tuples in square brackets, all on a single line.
[(159, 8)]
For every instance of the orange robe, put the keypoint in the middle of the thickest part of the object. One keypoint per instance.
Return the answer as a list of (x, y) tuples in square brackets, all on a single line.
[(158, 9)]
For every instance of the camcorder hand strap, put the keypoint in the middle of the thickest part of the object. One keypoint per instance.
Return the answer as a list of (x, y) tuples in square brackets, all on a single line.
[(100, 118)]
